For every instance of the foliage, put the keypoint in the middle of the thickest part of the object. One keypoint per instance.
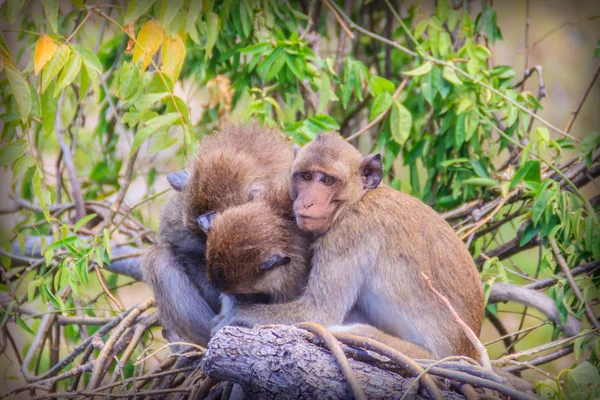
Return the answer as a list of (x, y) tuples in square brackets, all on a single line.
[(86, 82)]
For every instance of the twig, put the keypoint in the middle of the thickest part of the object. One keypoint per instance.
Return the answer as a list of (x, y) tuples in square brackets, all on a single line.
[(126, 322), (587, 91), (542, 359), (76, 193), (105, 288), (539, 349), (380, 116), (114, 208), (337, 351), (338, 19), (526, 35), (462, 210), (576, 291), (394, 355), (483, 354), (487, 218), (582, 269)]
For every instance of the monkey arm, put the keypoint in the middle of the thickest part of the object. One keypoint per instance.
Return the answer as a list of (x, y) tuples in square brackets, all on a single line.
[(182, 308), (332, 290)]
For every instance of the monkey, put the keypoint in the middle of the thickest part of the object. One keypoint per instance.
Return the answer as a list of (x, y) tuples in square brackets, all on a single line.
[(231, 167), (371, 244), (257, 248), (232, 164)]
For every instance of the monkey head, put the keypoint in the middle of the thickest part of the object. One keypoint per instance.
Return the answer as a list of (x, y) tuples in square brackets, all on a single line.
[(253, 249), (329, 174)]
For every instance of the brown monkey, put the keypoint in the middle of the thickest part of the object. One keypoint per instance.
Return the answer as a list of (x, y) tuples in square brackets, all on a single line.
[(231, 165), (257, 248), (372, 243)]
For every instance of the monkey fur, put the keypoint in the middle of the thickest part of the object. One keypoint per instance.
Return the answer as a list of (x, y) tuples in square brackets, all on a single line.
[(372, 243), (257, 248), (232, 164)]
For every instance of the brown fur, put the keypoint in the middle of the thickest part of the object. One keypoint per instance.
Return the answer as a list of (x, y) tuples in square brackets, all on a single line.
[(232, 163), (369, 256), (243, 237)]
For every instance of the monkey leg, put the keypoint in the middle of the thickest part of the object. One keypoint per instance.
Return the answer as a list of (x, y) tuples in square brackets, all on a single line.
[(182, 308), (410, 349)]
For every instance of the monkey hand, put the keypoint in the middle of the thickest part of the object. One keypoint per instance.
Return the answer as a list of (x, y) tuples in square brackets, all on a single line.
[(232, 318)]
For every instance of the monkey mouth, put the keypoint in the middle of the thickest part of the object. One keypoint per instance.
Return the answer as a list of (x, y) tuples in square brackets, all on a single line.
[(310, 217)]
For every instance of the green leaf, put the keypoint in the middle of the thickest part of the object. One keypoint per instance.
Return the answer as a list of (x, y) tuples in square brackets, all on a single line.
[(419, 71), (459, 131), (212, 32), (9, 152), (400, 123), (152, 126), (539, 205), (21, 166), (90, 60), (69, 73), (529, 233), (106, 237), (449, 74), (168, 10), (430, 84), (136, 8), (325, 123), (128, 82), (586, 376), (146, 101), (381, 104), (588, 146), (380, 85), (445, 44), (83, 221), (51, 11), (195, 7), (326, 94), (487, 182), (20, 90), (49, 110), (42, 195), (522, 172), (53, 67), (463, 106), (23, 325), (12, 10), (161, 140)]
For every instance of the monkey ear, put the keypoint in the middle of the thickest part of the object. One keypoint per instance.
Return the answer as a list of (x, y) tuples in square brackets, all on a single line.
[(296, 150), (256, 192), (371, 171), (274, 261), (206, 221), (178, 180)]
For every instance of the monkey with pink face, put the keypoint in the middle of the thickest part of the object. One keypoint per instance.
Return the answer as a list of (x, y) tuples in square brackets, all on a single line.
[(370, 245)]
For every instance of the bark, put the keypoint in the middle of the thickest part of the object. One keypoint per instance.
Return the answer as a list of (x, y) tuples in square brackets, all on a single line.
[(284, 363)]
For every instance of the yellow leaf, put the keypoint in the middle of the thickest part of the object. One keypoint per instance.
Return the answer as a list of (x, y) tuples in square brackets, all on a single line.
[(148, 41), (44, 50), (173, 55)]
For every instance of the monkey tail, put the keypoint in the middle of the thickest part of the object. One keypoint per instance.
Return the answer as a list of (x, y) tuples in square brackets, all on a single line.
[(502, 292)]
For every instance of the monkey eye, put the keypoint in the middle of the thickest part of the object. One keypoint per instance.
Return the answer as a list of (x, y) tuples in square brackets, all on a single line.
[(306, 176), (328, 180)]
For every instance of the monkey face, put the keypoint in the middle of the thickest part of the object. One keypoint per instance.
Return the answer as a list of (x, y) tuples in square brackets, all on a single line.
[(328, 175), (245, 248), (316, 203)]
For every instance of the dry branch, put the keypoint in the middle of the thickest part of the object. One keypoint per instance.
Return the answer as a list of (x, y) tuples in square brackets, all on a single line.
[(287, 362)]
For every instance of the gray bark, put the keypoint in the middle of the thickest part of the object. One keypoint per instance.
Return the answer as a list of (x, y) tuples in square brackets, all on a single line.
[(283, 363)]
